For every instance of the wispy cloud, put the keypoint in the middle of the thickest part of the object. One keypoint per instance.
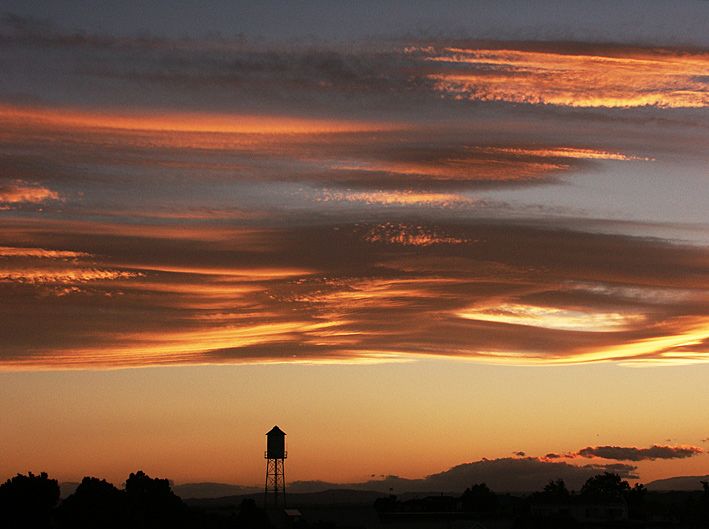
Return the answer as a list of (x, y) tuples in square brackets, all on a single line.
[(400, 198), (577, 77), (554, 318), (395, 163), (17, 194), (184, 122), (6, 251), (57, 272)]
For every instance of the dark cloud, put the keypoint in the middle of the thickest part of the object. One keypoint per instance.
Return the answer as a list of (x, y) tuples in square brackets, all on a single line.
[(367, 79), (631, 453), (520, 474), (284, 74)]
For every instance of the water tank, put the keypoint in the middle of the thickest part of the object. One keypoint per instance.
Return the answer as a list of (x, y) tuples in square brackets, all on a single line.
[(275, 444)]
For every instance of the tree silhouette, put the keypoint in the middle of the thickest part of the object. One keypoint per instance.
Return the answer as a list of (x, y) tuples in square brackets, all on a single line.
[(95, 503), (557, 488), (151, 503), (479, 498), (554, 492), (705, 500), (636, 495), (28, 501), (607, 484)]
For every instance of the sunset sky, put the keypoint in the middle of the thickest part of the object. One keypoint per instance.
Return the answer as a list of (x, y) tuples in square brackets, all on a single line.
[(436, 243)]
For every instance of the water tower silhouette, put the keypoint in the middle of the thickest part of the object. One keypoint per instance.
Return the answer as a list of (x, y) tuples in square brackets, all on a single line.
[(275, 477)]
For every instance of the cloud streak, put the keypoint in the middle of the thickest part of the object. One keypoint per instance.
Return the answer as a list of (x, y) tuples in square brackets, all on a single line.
[(632, 453), (621, 453)]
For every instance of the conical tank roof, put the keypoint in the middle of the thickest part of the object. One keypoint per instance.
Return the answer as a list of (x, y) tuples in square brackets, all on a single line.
[(276, 431)]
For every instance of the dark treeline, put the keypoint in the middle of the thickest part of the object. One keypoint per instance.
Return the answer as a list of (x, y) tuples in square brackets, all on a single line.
[(605, 500), (32, 501)]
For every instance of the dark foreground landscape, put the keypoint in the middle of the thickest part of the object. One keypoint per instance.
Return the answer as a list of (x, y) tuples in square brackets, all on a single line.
[(605, 500)]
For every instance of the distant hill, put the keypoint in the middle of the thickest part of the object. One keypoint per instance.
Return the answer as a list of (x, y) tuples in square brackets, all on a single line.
[(332, 497), (322, 493), (678, 483), (211, 490), (67, 488)]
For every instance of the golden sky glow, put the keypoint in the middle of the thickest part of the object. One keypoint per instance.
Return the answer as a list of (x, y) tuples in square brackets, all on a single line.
[(436, 254), (554, 318), (181, 122)]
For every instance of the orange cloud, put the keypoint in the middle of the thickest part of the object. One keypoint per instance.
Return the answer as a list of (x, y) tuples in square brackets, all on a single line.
[(66, 275), (408, 235), (56, 272), (401, 198), (462, 168), (620, 77), (7, 251), (15, 194), (565, 152)]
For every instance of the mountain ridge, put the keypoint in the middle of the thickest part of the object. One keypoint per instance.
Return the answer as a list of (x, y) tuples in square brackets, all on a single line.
[(349, 492)]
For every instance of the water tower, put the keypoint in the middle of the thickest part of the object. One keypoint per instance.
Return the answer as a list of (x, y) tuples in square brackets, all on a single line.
[(275, 477)]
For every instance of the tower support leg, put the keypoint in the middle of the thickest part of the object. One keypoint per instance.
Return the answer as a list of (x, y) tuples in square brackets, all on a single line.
[(275, 494)]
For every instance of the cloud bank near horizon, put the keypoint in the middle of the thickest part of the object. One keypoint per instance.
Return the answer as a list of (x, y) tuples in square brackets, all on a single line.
[(517, 474)]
